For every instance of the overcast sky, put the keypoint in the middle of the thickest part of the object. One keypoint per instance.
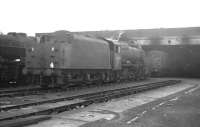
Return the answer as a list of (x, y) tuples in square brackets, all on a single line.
[(32, 16)]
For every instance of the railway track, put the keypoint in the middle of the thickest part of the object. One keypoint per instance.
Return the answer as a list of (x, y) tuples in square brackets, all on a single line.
[(18, 90), (74, 102), (34, 91), (25, 92)]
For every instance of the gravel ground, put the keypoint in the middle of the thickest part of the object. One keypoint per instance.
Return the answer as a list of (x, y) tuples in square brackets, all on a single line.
[(179, 110), (164, 107)]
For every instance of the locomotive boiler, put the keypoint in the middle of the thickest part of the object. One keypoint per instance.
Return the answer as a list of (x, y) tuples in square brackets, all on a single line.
[(65, 58)]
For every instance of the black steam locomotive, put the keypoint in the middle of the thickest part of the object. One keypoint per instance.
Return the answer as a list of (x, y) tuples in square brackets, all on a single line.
[(12, 53), (65, 58)]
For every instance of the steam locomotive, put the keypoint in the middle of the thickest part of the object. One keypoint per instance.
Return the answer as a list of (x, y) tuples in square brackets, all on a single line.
[(12, 54), (65, 58)]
